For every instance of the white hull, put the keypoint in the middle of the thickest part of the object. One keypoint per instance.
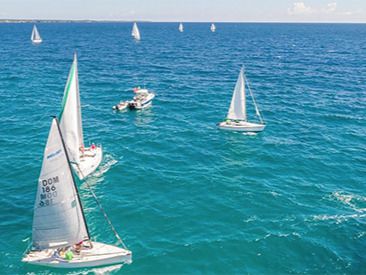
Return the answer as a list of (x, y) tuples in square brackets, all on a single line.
[(142, 104), (100, 255), (121, 106), (89, 162), (241, 126), (37, 41)]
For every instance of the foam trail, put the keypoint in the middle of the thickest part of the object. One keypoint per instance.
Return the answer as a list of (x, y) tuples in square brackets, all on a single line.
[(109, 161), (249, 134)]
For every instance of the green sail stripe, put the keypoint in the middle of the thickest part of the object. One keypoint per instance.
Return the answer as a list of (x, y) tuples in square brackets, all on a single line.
[(67, 91)]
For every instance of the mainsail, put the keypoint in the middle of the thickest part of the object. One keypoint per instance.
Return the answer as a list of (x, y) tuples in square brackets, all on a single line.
[(181, 28), (135, 32), (237, 110), (58, 215), (213, 27), (35, 34), (70, 116)]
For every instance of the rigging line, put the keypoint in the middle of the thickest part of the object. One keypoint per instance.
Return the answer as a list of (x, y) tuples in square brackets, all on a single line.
[(29, 245), (254, 102), (102, 210)]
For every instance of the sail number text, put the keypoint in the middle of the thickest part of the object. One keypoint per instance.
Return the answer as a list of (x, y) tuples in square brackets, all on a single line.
[(48, 191)]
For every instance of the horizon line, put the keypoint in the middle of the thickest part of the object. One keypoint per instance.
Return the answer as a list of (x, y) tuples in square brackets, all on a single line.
[(169, 21)]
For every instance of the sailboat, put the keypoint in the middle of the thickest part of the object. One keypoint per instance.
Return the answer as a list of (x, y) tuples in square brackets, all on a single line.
[(213, 27), (60, 235), (181, 28), (85, 160), (36, 37), (135, 32), (237, 116)]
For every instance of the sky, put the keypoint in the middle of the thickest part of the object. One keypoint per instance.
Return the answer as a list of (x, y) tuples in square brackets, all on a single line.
[(188, 10)]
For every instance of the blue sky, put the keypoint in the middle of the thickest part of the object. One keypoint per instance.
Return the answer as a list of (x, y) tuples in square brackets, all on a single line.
[(189, 10)]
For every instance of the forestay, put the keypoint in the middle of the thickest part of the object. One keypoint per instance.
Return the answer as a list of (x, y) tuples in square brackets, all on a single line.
[(58, 219), (70, 116), (237, 110)]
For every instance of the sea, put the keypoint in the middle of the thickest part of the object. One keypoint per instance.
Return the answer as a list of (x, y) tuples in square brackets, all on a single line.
[(185, 196)]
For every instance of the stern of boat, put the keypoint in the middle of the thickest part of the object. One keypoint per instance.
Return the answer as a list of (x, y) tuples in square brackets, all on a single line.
[(90, 159)]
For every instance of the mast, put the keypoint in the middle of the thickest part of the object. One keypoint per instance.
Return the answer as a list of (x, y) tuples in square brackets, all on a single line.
[(72, 175), (80, 132)]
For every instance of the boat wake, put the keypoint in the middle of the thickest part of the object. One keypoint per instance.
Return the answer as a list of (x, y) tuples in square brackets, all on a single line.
[(250, 134), (338, 218), (356, 202), (109, 161), (100, 270)]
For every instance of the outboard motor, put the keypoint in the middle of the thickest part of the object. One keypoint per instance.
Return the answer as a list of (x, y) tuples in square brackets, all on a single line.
[(132, 105)]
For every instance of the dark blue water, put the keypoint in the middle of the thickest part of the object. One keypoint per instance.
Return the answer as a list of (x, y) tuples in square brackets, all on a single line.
[(185, 196)]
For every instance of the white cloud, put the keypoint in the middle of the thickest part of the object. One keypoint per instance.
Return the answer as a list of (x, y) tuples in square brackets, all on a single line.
[(331, 7), (299, 8)]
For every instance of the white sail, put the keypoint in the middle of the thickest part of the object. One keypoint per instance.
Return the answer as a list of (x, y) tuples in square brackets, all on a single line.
[(35, 34), (70, 117), (135, 32), (237, 110), (181, 28), (58, 218), (213, 27)]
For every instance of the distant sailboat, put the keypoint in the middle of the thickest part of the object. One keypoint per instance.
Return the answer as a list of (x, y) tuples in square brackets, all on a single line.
[(135, 32), (84, 160), (36, 37), (213, 27), (60, 235), (181, 28), (237, 116)]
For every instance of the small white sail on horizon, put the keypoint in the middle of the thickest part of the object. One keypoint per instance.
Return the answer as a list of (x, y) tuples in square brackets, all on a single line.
[(213, 27), (236, 118), (60, 236), (84, 160), (135, 32), (36, 37), (181, 28)]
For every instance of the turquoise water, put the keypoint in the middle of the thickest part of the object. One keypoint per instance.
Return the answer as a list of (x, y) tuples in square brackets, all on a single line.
[(185, 196)]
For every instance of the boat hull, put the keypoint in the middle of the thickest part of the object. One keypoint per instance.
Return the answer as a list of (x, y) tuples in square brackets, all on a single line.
[(139, 105), (121, 106), (89, 162), (242, 126), (37, 42), (100, 255)]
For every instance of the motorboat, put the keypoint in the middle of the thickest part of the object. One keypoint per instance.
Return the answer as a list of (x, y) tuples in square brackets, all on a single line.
[(123, 105), (142, 99)]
